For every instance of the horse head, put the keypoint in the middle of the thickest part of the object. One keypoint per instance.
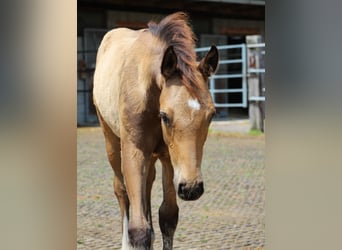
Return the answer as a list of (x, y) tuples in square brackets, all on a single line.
[(186, 110)]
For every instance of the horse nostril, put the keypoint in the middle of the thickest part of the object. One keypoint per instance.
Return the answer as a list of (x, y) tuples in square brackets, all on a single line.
[(190, 192), (181, 188)]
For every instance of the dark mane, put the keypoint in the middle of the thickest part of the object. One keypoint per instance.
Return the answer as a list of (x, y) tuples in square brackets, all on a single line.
[(175, 31)]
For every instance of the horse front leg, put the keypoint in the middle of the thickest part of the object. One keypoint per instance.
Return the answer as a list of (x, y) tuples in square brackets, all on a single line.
[(168, 211), (135, 168)]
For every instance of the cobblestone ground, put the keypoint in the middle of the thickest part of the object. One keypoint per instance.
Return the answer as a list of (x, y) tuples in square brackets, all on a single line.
[(229, 215)]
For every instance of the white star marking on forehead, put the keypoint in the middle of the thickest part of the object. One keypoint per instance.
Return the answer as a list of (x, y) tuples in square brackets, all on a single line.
[(194, 104)]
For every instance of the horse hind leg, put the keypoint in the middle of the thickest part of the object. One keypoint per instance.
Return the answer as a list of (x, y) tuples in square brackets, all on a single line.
[(150, 179), (113, 152), (168, 211), (113, 149), (121, 195)]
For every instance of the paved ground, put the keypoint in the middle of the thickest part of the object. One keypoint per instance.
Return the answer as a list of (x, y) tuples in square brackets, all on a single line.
[(229, 215), (231, 126)]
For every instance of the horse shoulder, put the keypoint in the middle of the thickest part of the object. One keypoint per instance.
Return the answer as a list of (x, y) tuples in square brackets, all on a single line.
[(107, 76)]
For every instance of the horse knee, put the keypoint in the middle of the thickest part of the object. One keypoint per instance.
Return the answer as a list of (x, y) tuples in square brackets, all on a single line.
[(140, 237)]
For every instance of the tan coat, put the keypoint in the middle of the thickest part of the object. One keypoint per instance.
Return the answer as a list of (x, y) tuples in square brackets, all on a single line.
[(153, 103)]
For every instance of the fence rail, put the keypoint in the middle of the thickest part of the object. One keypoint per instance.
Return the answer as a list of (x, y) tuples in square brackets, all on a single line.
[(245, 71)]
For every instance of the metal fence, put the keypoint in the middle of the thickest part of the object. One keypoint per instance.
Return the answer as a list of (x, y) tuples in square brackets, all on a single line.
[(242, 71)]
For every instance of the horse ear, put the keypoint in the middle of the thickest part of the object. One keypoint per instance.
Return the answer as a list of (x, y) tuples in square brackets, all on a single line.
[(209, 63), (169, 64)]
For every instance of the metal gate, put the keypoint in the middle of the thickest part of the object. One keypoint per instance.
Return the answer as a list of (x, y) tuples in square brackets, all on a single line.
[(235, 60), (238, 60)]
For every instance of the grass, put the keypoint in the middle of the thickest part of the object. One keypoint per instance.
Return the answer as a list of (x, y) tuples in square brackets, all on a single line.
[(255, 132)]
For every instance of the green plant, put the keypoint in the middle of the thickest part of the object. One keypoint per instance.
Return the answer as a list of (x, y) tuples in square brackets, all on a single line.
[(255, 132)]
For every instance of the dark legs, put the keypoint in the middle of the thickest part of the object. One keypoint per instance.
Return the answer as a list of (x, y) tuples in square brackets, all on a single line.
[(168, 211)]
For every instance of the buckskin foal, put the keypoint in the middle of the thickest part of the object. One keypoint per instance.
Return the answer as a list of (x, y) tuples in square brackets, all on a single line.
[(153, 102)]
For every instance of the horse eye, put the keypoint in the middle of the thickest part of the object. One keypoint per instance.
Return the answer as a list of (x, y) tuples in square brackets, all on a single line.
[(165, 118)]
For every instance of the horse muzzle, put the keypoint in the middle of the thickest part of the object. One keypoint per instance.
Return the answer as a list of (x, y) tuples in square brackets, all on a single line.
[(190, 192)]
